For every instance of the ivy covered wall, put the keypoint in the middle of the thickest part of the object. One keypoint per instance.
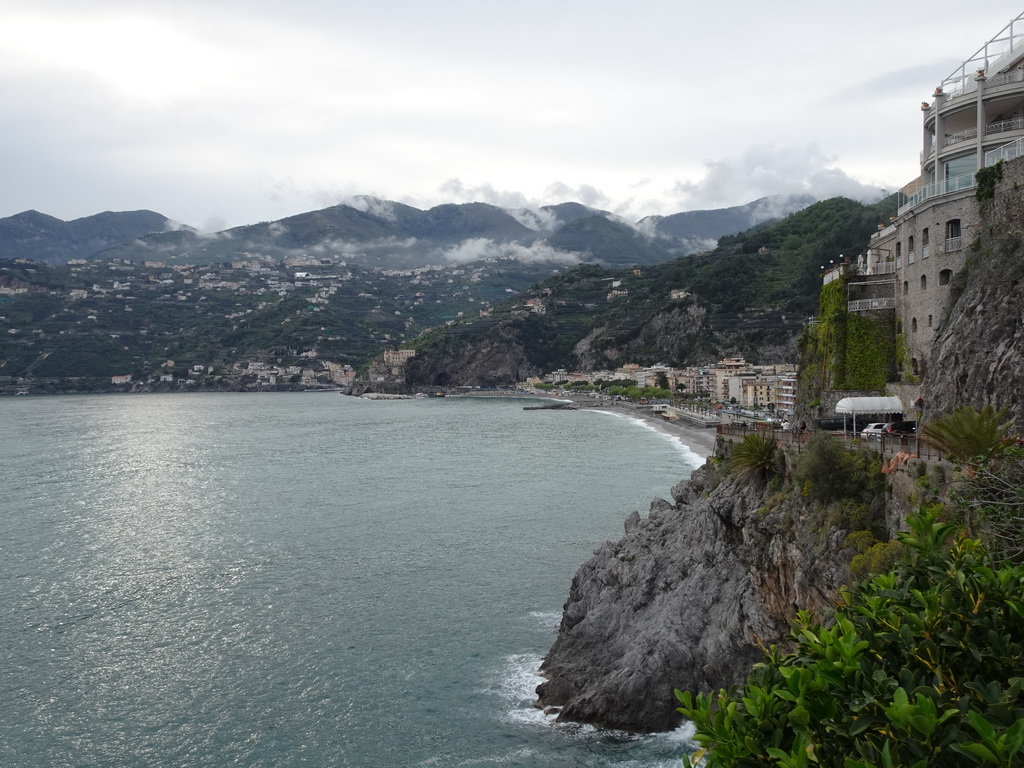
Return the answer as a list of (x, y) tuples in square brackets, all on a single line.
[(847, 350)]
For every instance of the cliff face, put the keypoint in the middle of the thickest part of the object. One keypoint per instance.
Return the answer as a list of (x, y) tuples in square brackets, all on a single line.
[(978, 358), (684, 600), (482, 362)]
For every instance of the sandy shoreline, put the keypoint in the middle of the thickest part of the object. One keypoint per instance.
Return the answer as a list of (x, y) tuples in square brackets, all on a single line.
[(699, 440)]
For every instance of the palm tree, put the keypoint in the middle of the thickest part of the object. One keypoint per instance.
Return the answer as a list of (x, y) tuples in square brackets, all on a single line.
[(970, 436), (756, 457)]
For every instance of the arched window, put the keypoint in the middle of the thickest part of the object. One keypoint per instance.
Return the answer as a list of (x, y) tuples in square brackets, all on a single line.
[(906, 287), (924, 282), (913, 325), (924, 243), (929, 321), (945, 276), (899, 250)]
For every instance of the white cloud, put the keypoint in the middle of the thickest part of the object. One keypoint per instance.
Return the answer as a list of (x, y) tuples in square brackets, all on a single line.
[(479, 248), (215, 110), (763, 171), (383, 209)]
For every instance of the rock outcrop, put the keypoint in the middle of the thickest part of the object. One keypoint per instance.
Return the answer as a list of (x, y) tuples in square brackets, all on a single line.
[(481, 362), (686, 599), (978, 358)]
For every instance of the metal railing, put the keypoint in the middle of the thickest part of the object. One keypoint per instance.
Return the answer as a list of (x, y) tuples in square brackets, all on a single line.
[(910, 257), (866, 305), (882, 268), (1008, 41), (937, 189), (925, 251), (1006, 152), (1013, 76), (954, 244), (1016, 124), (894, 450), (956, 138)]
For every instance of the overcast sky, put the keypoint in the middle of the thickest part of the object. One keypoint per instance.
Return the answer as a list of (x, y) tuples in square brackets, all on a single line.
[(218, 113)]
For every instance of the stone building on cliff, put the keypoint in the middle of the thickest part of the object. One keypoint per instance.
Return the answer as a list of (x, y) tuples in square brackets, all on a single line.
[(975, 119)]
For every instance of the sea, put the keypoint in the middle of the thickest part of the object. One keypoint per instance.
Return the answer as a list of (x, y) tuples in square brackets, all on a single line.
[(304, 579)]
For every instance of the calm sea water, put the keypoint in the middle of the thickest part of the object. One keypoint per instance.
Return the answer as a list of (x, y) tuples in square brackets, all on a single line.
[(303, 579)]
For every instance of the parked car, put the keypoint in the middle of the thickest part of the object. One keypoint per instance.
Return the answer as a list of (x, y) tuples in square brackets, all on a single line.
[(873, 431), (901, 428)]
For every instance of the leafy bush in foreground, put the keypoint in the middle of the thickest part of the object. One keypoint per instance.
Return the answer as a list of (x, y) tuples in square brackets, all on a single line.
[(923, 666)]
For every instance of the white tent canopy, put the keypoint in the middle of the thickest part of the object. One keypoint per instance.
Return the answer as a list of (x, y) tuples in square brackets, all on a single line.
[(869, 405)]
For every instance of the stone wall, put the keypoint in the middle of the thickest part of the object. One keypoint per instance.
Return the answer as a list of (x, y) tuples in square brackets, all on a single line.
[(924, 288)]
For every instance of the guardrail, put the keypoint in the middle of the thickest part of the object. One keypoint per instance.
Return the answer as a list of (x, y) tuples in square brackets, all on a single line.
[(937, 189), (889, 446), (866, 305)]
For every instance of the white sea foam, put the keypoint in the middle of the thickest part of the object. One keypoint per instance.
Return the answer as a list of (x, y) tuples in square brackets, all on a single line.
[(547, 619), (695, 460)]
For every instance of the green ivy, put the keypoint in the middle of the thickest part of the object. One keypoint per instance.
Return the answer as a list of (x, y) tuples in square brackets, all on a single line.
[(986, 180)]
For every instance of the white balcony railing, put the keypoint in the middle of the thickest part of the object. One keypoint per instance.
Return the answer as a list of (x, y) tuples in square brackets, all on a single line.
[(925, 251), (1016, 124), (1006, 152), (866, 305), (954, 244), (956, 138), (883, 268), (937, 189), (910, 257), (1013, 76)]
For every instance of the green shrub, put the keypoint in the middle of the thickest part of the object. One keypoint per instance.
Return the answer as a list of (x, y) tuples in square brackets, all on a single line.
[(756, 457), (829, 471), (922, 667)]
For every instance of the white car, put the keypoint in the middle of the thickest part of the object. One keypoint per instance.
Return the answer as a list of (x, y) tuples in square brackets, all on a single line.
[(873, 430)]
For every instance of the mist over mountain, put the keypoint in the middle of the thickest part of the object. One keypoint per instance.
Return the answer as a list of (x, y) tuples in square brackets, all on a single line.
[(374, 232)]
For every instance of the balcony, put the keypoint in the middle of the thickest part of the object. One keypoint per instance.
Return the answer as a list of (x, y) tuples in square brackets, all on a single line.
[(1016, 124), (925, 251), (956, 138), (937, 189), (910, 257), (1006, 152), (867, 305), (954, 244)]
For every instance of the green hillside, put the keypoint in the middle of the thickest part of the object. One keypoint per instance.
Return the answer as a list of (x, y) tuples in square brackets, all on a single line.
[(751, 295)]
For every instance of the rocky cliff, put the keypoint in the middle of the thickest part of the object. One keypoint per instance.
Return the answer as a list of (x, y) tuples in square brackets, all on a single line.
[(978, 358), (685, 600), (479, 362)]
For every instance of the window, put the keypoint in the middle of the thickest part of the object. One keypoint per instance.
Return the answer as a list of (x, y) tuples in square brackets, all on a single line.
[(924, 282), (954, 239), (913, 325), (899, 250), (929, 321), (945, 276), (906, 287), (924, 243), (915, 366), (961, 166)]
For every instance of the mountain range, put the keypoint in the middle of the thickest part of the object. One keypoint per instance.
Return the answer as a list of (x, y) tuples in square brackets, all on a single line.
[(375, 232)]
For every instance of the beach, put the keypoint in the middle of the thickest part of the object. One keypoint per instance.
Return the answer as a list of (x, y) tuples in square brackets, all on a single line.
[(701, 440)]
